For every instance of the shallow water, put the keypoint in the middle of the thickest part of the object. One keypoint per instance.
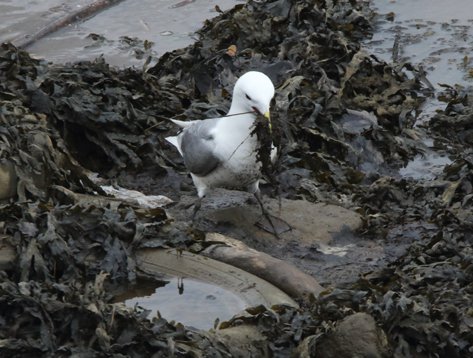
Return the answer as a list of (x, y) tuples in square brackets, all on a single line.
[(434, 33), (193, 303), (169, 24), (425, 167), (21, 17)]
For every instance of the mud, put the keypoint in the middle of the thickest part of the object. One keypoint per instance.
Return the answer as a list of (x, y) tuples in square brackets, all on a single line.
[(345, 124)]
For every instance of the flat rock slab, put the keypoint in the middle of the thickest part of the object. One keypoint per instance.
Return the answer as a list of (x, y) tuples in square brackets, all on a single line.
[(309, 222), (313, 222)]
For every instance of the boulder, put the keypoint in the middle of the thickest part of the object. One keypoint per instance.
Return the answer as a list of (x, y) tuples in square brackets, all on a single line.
[(356, 336)]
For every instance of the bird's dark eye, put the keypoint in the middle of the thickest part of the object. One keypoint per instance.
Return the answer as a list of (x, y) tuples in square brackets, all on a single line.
[(248, 97)]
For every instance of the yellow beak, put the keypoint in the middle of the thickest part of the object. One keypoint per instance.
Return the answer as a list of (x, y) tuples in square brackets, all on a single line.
[(268, 117)]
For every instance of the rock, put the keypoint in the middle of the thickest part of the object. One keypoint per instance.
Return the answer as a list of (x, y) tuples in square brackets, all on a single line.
[(249, 287), (356, 336), (306, 348), (315, 222), (309, 222), (280, 273), (244, 341)]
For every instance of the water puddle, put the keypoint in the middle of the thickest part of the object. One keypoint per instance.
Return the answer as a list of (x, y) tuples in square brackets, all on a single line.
[(188, 301), (425, 166)]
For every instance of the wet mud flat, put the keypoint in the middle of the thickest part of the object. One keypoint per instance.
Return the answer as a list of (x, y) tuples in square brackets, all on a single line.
[(344, 125), (148, 28)]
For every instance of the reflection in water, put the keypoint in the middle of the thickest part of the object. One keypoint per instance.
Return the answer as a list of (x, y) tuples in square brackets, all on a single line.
[(180, 285), (191, 302)]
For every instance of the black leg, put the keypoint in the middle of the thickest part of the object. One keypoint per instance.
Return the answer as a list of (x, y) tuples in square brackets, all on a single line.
[(257, 195), (197, 205), (265, 213)]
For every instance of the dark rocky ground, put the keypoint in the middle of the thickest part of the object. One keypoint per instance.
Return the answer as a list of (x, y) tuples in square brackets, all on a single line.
[(58, 122)]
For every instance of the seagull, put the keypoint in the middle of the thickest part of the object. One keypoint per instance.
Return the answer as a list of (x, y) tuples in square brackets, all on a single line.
[(222, 152)]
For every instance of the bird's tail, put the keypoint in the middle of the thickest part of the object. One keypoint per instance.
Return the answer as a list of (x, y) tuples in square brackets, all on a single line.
[(183, 124), (175, 142)]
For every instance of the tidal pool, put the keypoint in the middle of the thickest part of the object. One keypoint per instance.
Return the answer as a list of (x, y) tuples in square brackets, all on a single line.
[(188, 301)]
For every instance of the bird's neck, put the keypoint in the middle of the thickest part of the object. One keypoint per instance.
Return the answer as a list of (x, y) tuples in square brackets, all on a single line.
[(236, 120)]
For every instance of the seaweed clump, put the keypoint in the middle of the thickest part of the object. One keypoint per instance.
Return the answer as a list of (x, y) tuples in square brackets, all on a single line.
[(344, 125), (71, 246)]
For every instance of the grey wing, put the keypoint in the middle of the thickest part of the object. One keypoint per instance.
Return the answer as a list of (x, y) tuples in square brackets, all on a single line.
[(197, 144)]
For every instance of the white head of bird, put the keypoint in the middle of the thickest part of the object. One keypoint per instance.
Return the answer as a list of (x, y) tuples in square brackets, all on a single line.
[(252, 92)]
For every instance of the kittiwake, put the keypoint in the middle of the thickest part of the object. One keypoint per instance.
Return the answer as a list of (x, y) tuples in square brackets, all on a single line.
[(222, 152)]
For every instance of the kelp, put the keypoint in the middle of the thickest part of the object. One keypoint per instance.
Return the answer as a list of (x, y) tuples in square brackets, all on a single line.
[(343, 122), (73, 319), (38, 153)]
